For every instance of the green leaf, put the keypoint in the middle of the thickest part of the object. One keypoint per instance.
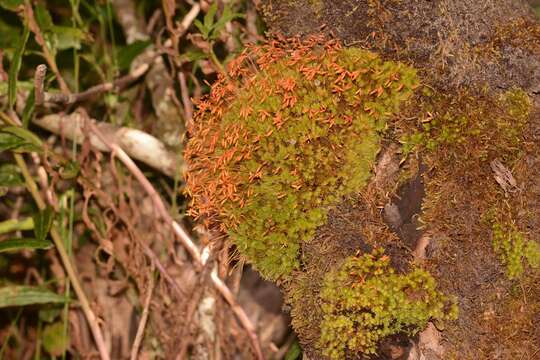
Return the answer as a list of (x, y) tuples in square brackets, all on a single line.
[(126, 54), (16, 225), (10, 141), (195, 55), (227, 16), (28, 110), (70, 170), (20, 295), (10, 176), (43, 17), (55, 341), (42, 223), (68, 37), (15, 67), (537, 10), (10, 5), (202, 29), (209, 17), (49, 314), (22, 85), (10, 36), (24, 244), (24, 134), (18, 139), (294, 351)]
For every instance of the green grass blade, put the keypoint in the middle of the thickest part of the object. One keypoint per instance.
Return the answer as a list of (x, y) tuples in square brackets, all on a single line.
[(16, 225), (15, 67), (29, 109), (24, 244), (20, 295)]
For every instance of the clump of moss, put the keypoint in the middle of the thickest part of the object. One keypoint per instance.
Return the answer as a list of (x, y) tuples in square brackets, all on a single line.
[(514, 249), (365, 300), (470, 125), (292, 129)]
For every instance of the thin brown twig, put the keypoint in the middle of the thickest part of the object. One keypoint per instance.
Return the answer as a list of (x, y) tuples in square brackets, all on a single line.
[(189, 18), (186, 101), (184, 238), (144, 318), (68, 98), (190, 312)]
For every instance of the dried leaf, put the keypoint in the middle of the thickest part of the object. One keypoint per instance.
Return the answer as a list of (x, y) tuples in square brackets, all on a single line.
[(503, 176)]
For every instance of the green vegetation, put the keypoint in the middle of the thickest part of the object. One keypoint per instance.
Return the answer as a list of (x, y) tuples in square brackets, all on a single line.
[(365, 300), (273, 148), (465, 120), (514, 249)]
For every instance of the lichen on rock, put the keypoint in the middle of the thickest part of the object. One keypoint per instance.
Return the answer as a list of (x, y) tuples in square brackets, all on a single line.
[(293, 128)]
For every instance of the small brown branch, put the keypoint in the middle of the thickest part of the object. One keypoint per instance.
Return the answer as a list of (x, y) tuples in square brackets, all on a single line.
[(126, 13), (189, 18), (144, 318), (69, 99), (184, 238), (186, 101), (190, 312)]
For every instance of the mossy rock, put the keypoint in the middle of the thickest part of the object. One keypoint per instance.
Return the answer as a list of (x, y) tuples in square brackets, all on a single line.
[(281, 157)]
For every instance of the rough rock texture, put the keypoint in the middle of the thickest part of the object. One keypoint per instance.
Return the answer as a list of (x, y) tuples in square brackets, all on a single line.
[(456, 38)]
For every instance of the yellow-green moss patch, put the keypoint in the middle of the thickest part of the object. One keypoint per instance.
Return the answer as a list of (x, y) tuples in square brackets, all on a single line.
[(366, 300), (294, 128), (514, 249), (469, 125)]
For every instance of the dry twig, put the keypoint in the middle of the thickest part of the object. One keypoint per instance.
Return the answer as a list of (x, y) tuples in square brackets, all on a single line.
[(69, 98), (144, 318)]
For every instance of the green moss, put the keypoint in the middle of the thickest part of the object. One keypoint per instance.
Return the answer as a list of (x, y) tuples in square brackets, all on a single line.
[(365, 301), (514, 249), (275, 148), (459, 121)]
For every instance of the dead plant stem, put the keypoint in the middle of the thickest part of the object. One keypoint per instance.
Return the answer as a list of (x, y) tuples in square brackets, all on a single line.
[(144, 318)]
